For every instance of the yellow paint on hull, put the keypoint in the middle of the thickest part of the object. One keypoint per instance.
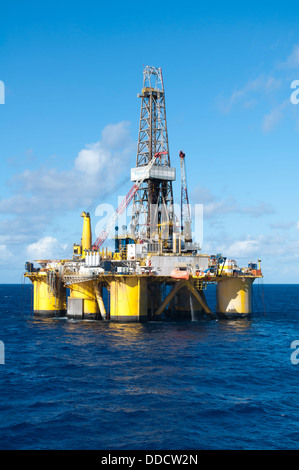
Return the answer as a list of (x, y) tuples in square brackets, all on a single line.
[(234, 296), (47, 301), (85, 291), (129, 298)]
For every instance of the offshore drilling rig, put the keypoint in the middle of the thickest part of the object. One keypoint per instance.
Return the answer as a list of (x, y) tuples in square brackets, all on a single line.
[(156, 271)]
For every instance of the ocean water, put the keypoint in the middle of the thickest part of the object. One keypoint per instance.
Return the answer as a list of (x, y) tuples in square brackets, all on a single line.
[(208, 384)]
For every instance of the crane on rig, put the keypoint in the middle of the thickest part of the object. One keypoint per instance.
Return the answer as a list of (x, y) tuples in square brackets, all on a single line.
[(125, 202), (185, 207)]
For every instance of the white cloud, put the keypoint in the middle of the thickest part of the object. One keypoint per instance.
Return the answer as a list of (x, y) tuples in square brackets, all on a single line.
[(115, 136), (19, 231), (243, 248), (271, 119), (46, 248), (261, 85), (292, 60), (5, 254), (258, 210), (95, 170), (249, 247), (108, 157), (284, 225), (264, 91), (214, 207), (92, 159)]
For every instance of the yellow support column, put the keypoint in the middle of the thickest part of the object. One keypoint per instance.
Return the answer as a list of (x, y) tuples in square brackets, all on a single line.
[(128, 299), (82, 302), (48, 300), (234, 296)]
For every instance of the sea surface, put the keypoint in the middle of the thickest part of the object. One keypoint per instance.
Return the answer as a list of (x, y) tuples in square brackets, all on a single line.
[(192, 385)]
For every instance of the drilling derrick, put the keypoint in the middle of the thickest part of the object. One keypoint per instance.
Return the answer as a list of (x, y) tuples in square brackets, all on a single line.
[(152, 211)]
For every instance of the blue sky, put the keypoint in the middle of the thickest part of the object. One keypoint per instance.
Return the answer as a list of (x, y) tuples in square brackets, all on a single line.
[(69, 125)]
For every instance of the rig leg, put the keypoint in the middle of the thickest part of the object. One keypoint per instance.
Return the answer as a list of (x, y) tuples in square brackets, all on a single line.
[(234, 296), (82, 302), (129, 299), (48, 299)]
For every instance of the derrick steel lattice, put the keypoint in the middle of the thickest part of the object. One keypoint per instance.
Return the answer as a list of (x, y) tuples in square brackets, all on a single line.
[(153, 138)]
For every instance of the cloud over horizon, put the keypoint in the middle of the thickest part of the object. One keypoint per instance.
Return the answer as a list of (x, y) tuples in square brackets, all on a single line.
[(39, 195)]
